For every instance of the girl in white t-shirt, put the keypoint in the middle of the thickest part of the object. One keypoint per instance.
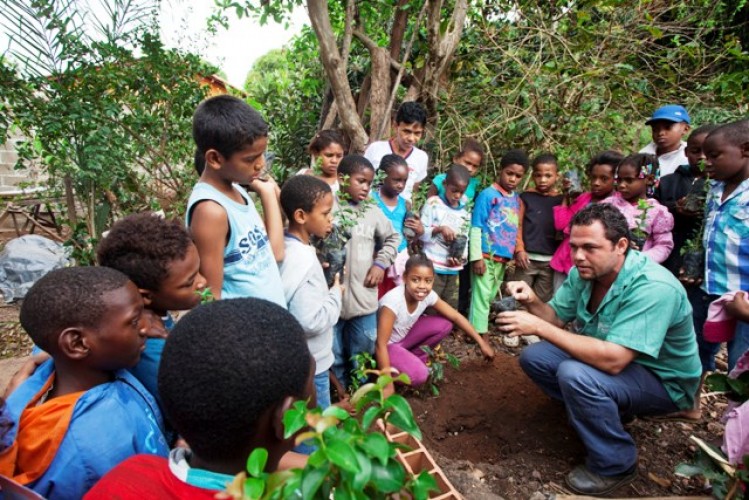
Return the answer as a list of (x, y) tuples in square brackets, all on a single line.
[(402, 330)]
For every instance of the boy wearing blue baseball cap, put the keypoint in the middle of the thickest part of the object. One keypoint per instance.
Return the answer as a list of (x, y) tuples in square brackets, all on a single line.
[(669, 124)]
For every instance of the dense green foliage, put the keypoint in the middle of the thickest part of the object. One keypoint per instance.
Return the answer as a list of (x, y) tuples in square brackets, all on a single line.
[(570, 77), (352, 460), (107, 116), (287, 86)]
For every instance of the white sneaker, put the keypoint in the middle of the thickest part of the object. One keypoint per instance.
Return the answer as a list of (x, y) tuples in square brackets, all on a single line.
[(530, 339)]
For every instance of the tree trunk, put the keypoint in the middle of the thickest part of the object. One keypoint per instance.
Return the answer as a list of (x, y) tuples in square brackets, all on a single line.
[(442, 48), (398, 31), (335, 69), (379, 93)]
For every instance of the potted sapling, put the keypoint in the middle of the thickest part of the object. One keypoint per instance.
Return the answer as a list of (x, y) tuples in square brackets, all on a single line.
[(332, 250), (693, 258), (458, 245), (638, 235), (694, 201)]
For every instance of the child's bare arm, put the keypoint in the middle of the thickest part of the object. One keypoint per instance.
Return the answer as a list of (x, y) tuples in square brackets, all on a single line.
[(461, 322), (209, 227), (385, 322), (739, 307), (267, 190), (521, 257)]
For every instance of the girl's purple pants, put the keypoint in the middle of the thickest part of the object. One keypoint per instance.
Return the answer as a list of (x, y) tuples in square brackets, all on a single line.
[(407, 356)]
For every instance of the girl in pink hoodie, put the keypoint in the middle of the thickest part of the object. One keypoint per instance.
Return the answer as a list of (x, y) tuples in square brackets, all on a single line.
[(601, 171)]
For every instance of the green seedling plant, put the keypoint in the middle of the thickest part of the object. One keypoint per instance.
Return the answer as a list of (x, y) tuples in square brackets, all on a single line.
[(364, 364), (728, 481), (206, 295), (638, 232), (353, 460), (436, 359)]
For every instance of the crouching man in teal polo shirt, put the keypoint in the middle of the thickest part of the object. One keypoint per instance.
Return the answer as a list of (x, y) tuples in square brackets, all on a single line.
[(634, 351)]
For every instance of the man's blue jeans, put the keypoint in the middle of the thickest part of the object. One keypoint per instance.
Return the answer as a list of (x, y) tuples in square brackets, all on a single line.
[(595, 402), (351, 337)]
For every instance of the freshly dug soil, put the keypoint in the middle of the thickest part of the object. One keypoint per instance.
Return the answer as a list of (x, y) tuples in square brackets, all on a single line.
[(495, 433)]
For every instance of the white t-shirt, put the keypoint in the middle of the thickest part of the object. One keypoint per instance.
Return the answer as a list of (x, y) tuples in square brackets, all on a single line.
[(668, 162), (417, 161), (395, 300)]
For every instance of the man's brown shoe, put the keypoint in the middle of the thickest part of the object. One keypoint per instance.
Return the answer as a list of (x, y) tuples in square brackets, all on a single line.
[(583, 481)]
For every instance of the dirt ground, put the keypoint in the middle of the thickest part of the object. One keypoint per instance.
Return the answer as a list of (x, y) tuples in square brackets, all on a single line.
[(497, 435)]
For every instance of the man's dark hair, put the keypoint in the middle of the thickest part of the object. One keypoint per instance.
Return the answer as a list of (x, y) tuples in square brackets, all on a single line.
[(514, 157), (545, 158), (411, 112), (302, 191), (226, 124), (418, 260), (614, 223), (609, 157), (68, 297), (735, 133), (457, 174), (703, 129), (353, 164), (143, 246), (224, 364), (392, 160)]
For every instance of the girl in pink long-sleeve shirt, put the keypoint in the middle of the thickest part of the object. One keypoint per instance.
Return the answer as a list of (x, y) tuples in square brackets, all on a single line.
[(636, 176), (601, 173)]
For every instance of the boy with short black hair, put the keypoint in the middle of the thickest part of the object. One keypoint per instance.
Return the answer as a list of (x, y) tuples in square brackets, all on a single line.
[(408, 128), (161, 259), (494, 230), (223, 414), (672, 191), (308, 204), (669, 124), (238, 251), (726, 236), (537, 241), (81, 412), (356, 330), (447, 223)]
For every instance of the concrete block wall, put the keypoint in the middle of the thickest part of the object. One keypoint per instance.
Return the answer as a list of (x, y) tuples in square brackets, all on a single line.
[(10, 179)]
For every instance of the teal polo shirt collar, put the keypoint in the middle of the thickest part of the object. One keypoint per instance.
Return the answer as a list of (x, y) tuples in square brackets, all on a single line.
[(633, 262)]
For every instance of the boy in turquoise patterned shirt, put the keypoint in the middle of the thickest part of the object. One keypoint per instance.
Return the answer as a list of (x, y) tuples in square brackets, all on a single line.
[(494, 229)]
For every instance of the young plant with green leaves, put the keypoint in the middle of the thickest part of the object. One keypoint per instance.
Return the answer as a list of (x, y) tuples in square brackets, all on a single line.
[(353, 459), (437, 358), (364, 365), (639, 233), (728, 481)]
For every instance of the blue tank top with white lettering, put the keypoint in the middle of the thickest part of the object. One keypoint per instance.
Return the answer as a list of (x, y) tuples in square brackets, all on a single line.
[(250, 269)]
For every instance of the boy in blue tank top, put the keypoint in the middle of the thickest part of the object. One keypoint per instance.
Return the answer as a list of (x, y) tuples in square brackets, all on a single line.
[(239, 252)]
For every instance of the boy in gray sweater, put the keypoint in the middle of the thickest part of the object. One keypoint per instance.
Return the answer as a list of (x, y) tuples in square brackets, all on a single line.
[(370, 250), (308, 204)]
